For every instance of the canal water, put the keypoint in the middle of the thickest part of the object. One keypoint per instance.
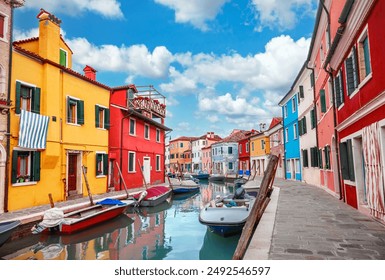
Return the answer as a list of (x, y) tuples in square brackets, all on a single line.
[(170, 231)]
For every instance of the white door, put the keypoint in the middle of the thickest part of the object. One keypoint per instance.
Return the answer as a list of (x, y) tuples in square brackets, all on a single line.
[(147, 170)]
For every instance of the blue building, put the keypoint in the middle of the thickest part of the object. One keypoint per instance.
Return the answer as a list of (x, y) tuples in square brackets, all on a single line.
[(292, 158)]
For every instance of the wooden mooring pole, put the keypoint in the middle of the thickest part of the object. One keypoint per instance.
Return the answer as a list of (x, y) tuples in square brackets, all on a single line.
[(258, 208)]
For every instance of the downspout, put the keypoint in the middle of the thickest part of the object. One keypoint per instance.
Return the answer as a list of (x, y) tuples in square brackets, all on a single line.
[(8, 115)]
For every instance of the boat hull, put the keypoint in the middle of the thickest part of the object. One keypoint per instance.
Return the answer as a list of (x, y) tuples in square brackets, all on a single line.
[(6, 230), (156, 195), (180, 190)]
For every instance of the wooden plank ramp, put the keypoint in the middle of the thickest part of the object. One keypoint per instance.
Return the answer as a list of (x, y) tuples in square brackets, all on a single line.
[(258, 208)]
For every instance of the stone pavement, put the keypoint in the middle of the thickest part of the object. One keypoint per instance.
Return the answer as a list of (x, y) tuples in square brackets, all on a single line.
[(304, 222)]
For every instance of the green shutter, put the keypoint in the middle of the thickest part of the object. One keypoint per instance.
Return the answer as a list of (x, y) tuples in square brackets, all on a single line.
[(350, 75), (97, 161), (68, 110), (304, 129), (300, 127), (36, 100), (35, 166), (323, 100), (80, 111), (14, 167), (344, 161), (18, 96), (105, 164), (337, 87), (312, 118), (312, 81), (320, 164), (107, 118), (365, 46), (63, 58), (97, 121), (301, 92)]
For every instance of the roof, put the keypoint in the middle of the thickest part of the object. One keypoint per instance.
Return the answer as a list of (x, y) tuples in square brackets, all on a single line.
[(235, 136), (275, 121)]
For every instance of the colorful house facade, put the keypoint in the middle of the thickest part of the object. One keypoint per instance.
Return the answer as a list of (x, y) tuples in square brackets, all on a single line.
[(178, 148), (356, 60), (292, 161), (275, 138), (137, 137), (54, 111), (259, 152), (197, 146)]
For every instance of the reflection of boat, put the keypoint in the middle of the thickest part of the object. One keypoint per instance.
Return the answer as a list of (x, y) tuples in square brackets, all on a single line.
[(217, 178), (184, 196), (227, 216), (224, 247), (153, 196), (6, 229), (146, 211), (55, 220)]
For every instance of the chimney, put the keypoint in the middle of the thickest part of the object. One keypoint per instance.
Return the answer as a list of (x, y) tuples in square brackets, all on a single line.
[(90, 72), (49, 36)]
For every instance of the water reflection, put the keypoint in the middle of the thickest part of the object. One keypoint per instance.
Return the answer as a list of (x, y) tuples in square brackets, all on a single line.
[(170, 231)]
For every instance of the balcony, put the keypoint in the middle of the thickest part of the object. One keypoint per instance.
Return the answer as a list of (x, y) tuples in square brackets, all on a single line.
[(149, 102)]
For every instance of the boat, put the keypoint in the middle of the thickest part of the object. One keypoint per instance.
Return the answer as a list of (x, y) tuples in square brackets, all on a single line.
[(152, 196), (201, 175), (6, 230), (189, 176), (183, 186), (217, 178), (227, 215), (56, 221)]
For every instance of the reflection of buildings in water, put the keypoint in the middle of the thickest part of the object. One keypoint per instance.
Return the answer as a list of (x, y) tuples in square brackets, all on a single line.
[(144, 239)]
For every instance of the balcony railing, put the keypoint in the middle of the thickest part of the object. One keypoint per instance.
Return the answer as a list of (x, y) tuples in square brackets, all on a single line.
[(150, 105)]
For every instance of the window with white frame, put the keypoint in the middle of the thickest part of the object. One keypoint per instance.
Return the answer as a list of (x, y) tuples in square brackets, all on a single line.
[(295, 132), (146, 131), (286, 134), (352, 79), (102, 117), (25, 166), (3, 26), (101, 164), (285, 111), (75, 110), (294, 104), (131, 161), (364, 56), (157, 162)]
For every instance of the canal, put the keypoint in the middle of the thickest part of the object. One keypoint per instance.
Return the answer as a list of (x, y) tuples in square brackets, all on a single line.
[(170, 231)]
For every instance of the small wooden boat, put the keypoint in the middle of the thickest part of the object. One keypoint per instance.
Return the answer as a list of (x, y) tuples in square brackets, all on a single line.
[(226, 216), (56, 221), (152, 196), (6, 230), (201, 175), (217, 178), (183, 186)]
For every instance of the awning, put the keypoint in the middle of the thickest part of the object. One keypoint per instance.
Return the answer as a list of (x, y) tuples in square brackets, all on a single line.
[(33, 130)]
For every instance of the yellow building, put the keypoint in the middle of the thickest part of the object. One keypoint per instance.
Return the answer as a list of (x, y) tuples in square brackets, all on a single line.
[(59, 123), (259, 152)]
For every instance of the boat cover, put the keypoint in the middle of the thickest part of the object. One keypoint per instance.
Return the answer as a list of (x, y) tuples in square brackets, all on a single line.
[(110, 201), (52, 217), (154, 192)]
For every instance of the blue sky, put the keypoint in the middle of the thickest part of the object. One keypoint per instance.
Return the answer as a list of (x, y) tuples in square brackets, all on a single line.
[(222, 64)]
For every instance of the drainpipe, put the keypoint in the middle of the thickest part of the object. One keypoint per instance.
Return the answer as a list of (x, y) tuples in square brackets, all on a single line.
[(8, 115)]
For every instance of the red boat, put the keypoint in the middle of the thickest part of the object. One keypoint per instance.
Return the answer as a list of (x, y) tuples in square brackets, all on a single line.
[(56, 221), (153, 196)]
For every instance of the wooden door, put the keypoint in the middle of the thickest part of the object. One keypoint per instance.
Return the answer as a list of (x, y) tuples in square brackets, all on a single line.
[(72, 172)]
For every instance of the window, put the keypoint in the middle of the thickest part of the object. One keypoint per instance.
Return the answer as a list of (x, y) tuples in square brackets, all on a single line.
[(263, 144), (25, 166), (364, 56), (247, 147), (297, 166), (63, 58), (229, 150), (323, 100), (157, 162), (286, 135), (347, 161), (327, 157), (294, 104), (180, 145), (131, 161), (27, 98), (75, 111), (351, 72), (102, 117), (252, 146), (132, 127), (240, 149), (285, 111), (320, 164), (302, 126), (2, 26), (101, 164), (339, 89), (146, 131), (301, 92), (157, 135), (305, 158), (231, 166), (314, 157), (288, 166), (295, 131)]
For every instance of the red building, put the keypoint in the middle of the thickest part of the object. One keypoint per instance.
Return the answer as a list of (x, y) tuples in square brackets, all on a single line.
[(137, 137), (357, 62), (244, 152)]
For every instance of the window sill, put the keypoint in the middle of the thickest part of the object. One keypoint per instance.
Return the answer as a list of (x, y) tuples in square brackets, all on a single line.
[(350, 183), (24, 184), (101, 176)]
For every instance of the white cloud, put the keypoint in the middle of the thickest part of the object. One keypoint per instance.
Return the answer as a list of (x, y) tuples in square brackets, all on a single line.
[(106, 8), (135, 60), (196, 12), (281, 14)]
